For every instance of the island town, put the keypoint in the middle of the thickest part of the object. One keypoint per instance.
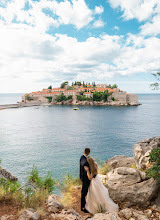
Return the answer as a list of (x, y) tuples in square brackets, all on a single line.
[(82, 94)]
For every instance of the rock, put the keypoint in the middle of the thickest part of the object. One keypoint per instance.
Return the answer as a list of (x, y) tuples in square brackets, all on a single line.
[(124, 185), (139, 215), (142, 149), (156, 203), (123, 176), (126, 213), (7, 217), (70, 214), (29, 214), (143, 175), (53, 205), (77, 187), (7, 175), (148, 212), (120, 161), (106, 216)]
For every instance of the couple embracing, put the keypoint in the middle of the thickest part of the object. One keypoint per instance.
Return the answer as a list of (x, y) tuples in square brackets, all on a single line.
[(94, 195)]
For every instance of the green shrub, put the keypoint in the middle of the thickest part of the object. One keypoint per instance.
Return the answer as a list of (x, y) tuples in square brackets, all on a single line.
[(62, 98), (83, 98), (49, 99), (27, 97), (154, 171), (33, 194)]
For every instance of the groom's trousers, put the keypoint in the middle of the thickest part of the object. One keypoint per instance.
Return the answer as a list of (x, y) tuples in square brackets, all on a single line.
[(85, 186)]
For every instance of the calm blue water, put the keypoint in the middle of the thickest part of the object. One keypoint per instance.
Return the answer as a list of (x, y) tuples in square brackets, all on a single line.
[(53, 138)]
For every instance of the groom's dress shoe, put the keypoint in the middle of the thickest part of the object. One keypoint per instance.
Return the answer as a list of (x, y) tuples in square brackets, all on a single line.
[(84, 210)]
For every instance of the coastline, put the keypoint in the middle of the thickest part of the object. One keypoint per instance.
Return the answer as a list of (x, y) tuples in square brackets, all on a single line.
[(20, 105), (80, 103)]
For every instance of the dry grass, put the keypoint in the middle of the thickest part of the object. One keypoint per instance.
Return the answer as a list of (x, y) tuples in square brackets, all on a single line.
[(133, 166), (68, 188), (104, 169), (36, 200)]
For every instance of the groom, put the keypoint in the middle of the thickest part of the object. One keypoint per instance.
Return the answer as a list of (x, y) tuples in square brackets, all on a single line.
[(84, 178)]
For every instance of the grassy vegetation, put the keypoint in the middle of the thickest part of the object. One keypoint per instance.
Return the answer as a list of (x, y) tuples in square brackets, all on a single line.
[(154, 159), (104, 169), (33, 194), (133, 166), (68, 188)]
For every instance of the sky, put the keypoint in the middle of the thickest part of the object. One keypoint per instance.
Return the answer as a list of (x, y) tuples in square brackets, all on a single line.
[(46, 42)]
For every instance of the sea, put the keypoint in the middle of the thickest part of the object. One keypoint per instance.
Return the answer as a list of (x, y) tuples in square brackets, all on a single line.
[(53, 138)]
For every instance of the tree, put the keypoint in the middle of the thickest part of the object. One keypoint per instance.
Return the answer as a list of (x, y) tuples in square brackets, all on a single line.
[(27, 97), (50, 87), (62, 97), (64, 84), (154, 158), (155, 86), (105, 95), (97, 96), (114, 86), (94, 84)]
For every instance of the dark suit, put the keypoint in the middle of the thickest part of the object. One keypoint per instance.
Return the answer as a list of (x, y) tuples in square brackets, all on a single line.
[(84, 179)]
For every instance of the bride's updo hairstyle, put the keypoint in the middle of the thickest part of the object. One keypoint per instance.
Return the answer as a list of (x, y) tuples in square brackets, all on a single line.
[(92, 166)]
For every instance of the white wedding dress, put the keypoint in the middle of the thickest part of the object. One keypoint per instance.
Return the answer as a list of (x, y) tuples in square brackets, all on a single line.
[(98, 199)]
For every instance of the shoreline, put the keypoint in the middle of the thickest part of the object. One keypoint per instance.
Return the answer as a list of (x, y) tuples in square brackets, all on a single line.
[(21, 105), (85, 103)]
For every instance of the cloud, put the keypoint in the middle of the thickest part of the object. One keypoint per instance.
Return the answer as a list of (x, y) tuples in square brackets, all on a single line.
[(65, 12), (151, 28), (116, 28), (38, 59), (35, 57), (139, 9), (144, 11), (99, 9), (98, 24)]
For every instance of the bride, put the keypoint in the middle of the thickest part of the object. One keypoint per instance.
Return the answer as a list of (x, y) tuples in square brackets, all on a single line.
[(97, 199)]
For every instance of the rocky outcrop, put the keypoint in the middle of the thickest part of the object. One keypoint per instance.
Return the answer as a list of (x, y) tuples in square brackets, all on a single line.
[(106, 216), (53, 205), (156, 203), (129, 186), (101, 103), (120, 161), (7, 217), (142, 149), (66, 215), (137, 194), (29, 214), (7, 175), (57, 211), (135, 214)]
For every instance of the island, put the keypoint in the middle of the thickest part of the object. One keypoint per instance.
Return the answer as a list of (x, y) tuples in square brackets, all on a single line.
[(82, 94)]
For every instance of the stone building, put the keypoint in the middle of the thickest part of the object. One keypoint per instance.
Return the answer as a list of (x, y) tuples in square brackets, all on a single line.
[(125, 98)]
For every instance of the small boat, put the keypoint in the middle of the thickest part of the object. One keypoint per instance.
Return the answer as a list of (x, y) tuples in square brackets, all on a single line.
[(37, 108), (76, 109)]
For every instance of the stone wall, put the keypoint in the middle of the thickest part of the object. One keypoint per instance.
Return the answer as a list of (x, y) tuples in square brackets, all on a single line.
[(132, 98), (120, 96), (126, 98)]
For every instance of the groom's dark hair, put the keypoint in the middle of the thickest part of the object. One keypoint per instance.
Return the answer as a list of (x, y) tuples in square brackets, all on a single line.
[(87, 151)]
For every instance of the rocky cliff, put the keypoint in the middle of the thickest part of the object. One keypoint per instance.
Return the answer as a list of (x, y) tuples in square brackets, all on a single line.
[(137, 196)]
